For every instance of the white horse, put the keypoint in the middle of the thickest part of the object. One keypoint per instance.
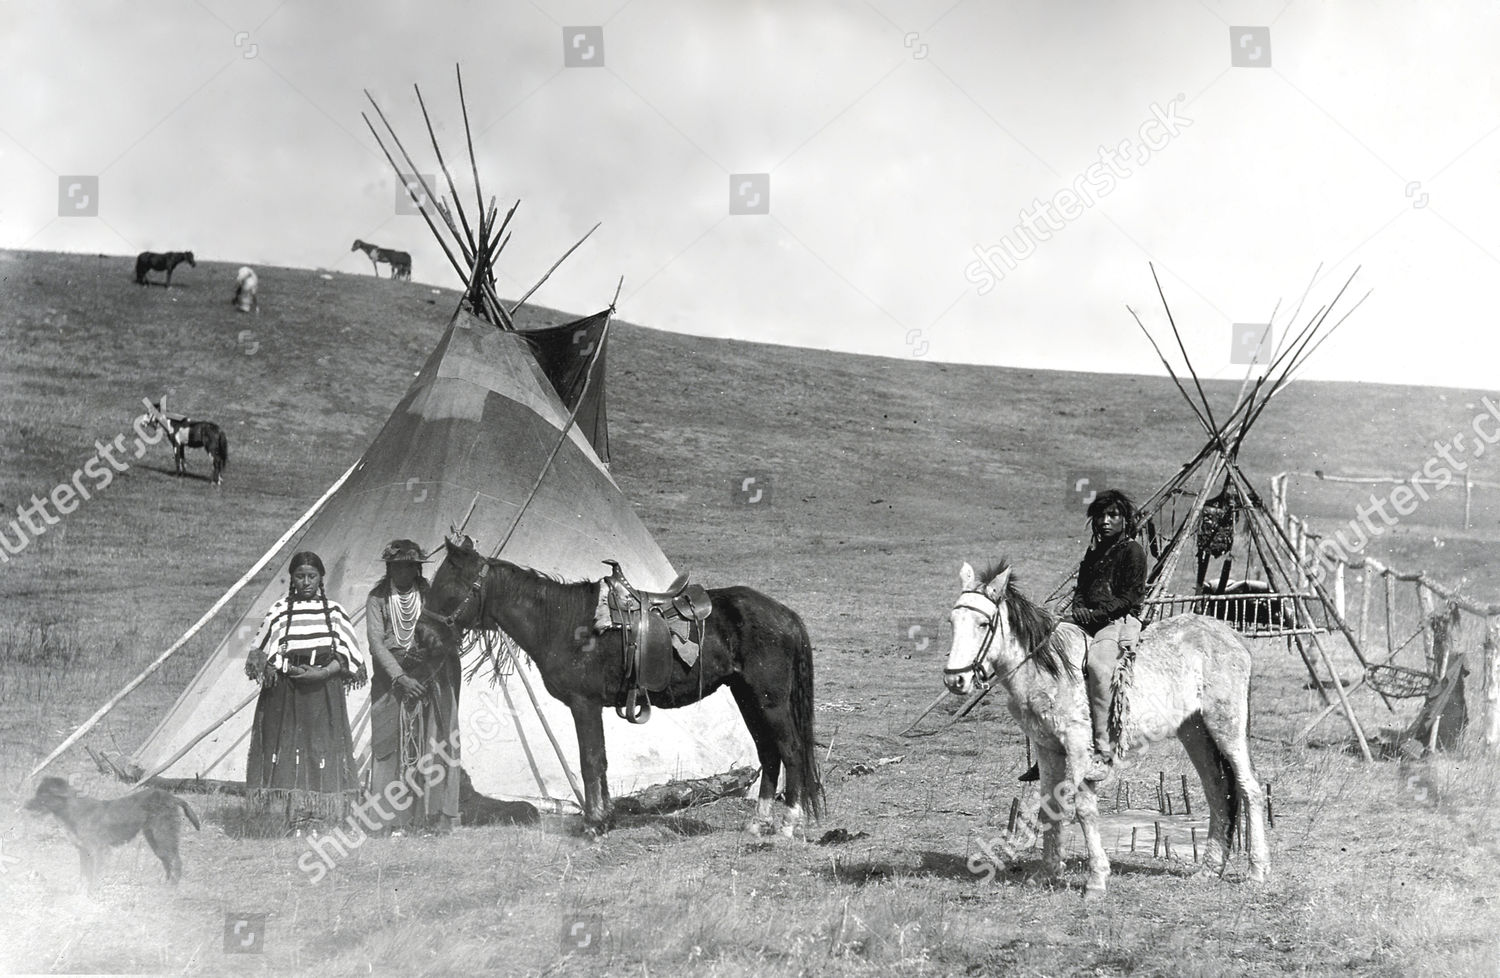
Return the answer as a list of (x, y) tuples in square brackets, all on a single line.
[(246, 285), (1188, 675)]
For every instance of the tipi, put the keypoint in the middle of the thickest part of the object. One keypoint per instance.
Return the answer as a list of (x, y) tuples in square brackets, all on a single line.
[(497, 434), (475, 428)]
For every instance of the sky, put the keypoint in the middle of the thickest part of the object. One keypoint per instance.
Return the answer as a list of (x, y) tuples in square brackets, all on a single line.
[(976, 181)]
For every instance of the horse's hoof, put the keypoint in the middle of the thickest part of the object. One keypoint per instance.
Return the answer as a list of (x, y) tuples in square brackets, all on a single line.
[(1093, 894), (1257, 875), (757, 828)]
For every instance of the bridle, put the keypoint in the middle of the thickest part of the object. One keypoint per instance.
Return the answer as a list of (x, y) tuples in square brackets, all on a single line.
[(475, 590), (987, 608)]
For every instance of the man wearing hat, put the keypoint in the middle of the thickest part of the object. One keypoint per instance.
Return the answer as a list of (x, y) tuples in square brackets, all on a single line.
[(413, 699)]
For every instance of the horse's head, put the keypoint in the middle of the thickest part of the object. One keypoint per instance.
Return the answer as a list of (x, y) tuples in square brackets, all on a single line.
[(187, 256), (356, 245), (996, 627), (978, 618), (454, 597), (153, 418)]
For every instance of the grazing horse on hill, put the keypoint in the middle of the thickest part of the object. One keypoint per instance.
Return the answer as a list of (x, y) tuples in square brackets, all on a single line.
[(1188, 675), (753, 644), (150, 261), (246, 285), (399, 261), (185, 433)]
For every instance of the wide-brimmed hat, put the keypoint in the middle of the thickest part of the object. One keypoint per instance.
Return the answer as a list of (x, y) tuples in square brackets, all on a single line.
[(402, 551)]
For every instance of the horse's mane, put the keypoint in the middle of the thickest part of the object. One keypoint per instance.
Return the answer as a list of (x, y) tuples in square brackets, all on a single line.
[(1033, 626), (557, 602)]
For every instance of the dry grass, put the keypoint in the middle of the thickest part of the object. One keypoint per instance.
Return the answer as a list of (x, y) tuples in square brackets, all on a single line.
[(888, 474)]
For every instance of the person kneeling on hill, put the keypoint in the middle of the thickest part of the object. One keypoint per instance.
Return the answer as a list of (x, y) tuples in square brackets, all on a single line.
[(1107, 606)]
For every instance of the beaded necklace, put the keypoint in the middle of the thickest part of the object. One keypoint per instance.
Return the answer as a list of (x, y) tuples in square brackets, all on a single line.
[(405, 610)]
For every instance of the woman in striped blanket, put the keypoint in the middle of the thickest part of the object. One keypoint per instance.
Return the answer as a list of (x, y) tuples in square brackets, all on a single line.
[(301, 750)]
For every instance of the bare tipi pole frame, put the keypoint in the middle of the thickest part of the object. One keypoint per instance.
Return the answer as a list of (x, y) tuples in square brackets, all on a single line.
[(1268, 539), (479, 243)]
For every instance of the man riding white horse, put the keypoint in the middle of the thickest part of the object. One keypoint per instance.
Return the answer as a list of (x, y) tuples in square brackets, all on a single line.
[(1107, 606)]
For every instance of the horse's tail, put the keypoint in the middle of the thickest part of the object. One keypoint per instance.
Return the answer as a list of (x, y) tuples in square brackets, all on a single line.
[(1232, 788), (1230, 780), (811, 788), (216, 443)]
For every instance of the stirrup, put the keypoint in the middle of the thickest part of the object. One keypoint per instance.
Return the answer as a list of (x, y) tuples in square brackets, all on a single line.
[(1101, 765), (636, 708), (1033, 773)]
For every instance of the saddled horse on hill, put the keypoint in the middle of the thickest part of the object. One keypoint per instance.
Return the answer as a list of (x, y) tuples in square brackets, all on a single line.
[(753, 644), (1187, 676), (150, 261), (399, 261), (185, 433)]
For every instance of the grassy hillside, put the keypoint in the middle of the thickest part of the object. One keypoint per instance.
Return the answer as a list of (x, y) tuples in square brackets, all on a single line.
[(886, 475)]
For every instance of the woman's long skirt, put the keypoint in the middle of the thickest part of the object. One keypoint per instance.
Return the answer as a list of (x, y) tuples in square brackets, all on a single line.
[(302, 753)]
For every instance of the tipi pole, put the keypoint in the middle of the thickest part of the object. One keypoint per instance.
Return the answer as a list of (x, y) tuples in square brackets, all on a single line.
[(1259, 520), (1202, 397), (923, 715), (536, 772), (421, 210), (1169, 565), (194, 742), (114, 700), (1322, 592), (548, 274), (1312, 670), (551, 737)]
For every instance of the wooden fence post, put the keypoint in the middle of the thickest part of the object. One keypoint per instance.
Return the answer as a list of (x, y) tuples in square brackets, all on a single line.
[(1492, 684), (1364, 604)]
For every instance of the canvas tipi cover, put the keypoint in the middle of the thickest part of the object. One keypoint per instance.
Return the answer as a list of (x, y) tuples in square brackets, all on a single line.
[(480, 418)]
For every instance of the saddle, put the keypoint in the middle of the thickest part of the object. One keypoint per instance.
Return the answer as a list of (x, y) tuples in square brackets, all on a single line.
[(654, 627)]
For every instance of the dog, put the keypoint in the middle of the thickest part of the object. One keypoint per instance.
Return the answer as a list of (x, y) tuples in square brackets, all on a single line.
[(94, 826)]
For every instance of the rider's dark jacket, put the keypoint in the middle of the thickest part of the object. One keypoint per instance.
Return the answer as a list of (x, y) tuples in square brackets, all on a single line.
[(1111, 583)]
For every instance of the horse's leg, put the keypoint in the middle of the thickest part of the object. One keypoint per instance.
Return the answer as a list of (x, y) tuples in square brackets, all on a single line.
[(588, 720), (1230, 735), (1057, 796), (766, 748), (1205, 757), (1086, 810)]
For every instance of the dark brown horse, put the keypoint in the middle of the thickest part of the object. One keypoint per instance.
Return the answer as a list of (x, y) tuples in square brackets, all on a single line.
[(150, 261), (756, 646)]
